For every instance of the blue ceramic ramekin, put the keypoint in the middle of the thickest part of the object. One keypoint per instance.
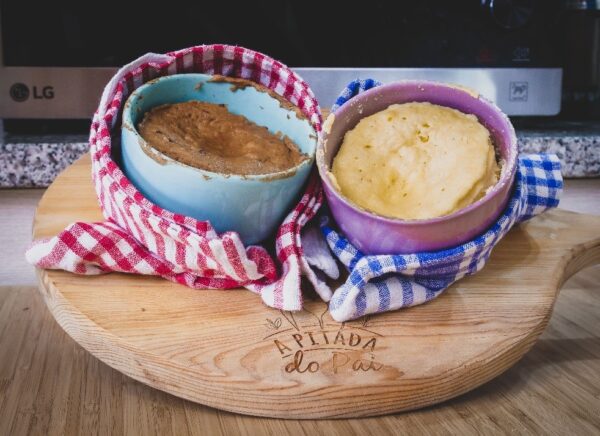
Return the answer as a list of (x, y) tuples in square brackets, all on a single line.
[(252, 205)]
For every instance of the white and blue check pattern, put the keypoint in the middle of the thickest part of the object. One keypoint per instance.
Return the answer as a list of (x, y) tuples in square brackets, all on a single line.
[(352, 89), (380, 283)]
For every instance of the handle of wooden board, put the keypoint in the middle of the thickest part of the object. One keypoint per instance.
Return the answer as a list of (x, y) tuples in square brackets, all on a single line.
[(584, 231), (583, 258)]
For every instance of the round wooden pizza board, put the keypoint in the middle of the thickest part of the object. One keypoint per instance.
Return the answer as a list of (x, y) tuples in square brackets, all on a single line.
[(227, 350)]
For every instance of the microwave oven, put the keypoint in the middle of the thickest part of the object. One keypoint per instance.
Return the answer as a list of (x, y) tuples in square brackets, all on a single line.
[(57, 56)]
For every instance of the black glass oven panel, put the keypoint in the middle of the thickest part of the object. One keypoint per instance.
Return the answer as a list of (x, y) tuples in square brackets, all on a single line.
[(432, 33)]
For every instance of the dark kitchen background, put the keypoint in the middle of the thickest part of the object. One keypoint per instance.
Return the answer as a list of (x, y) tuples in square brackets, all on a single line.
[(376, 34), (537, 59)]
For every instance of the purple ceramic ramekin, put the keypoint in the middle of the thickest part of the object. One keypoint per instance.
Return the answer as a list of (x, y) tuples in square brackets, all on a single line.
[(374, 234)]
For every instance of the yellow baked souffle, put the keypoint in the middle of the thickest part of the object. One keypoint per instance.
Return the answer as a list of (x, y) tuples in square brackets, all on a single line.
[(416, 161)]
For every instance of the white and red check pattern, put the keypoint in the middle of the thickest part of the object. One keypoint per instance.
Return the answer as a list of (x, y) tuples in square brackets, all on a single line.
[(141, 238)]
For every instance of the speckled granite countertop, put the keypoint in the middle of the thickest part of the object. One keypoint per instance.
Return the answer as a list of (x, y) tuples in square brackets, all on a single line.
[(577, 144), (35, 160)]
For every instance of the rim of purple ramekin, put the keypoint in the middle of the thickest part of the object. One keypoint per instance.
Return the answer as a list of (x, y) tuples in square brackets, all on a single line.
[(507, 171)]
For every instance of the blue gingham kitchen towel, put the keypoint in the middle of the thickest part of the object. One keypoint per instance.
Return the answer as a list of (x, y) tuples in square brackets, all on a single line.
[(380, 283)]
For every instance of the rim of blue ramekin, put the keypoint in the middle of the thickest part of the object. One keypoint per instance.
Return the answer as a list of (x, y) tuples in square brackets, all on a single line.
[(128, 124)]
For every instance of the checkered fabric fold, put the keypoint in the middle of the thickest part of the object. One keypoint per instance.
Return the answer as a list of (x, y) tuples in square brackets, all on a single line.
[(140, 237), (380, 283), (352, 89)]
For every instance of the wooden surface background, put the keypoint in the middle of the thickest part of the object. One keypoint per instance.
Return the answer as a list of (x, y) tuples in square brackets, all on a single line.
[(50, 385)]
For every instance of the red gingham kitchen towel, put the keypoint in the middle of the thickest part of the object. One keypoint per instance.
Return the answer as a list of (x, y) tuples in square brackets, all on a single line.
[(141, 238)]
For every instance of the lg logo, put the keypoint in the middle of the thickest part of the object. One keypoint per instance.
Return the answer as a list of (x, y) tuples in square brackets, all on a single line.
[(20, 92)]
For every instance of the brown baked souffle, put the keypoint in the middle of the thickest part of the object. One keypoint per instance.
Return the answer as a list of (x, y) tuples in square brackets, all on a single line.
[(209, 137)]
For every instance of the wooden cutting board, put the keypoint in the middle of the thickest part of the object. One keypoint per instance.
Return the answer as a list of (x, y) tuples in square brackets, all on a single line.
[(227, 350)]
